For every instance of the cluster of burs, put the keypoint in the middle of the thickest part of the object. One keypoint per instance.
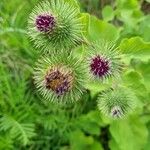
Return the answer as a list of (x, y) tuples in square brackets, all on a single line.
[(56, 28)]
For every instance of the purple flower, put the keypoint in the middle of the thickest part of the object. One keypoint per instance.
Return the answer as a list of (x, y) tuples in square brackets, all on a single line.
[(58, 82), (45, 23), (99, 66)]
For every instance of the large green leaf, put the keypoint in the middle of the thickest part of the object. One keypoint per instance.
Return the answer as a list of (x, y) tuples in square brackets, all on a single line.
[(129, 134), (135, 46), (143, 68), (135, 81), (99, 29)]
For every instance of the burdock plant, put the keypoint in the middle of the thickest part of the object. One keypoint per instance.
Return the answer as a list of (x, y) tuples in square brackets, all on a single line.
[(56, 27), (60, 78), (55, 24), (116, 103), (104, 60)]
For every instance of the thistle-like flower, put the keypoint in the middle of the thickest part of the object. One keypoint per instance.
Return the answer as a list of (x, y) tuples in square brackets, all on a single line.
[(60, 78), (116, 103), (104, 60), (55, 24), (45, 23)]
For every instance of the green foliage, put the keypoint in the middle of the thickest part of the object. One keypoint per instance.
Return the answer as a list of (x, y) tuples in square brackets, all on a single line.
[(28, 123), (108, 13), (128, 135), (18, 131), (98, 29), (134, 46), (81, 142)]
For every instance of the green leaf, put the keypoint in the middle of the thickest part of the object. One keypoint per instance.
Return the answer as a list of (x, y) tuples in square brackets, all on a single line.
[(129, 134), (143, 68), (79, 141), (145, 71), (144, 28), (135, 46), (135, 81), (99, 29), (18, 131), (108, 13), (90, 123)]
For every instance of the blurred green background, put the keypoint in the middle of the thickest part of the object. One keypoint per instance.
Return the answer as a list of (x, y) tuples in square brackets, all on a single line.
[(27, 123)]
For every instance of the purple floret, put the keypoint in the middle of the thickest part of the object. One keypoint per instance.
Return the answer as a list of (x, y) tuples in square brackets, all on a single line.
[(45, 23)]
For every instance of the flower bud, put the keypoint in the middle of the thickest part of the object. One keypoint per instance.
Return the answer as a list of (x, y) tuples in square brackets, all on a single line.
[(55, 24), (60, 78), (116, 103), (104, 60)]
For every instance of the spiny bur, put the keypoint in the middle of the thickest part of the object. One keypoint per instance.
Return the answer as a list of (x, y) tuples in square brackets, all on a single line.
[(104, 60), (60, 78), (55, 24), (116, 103)]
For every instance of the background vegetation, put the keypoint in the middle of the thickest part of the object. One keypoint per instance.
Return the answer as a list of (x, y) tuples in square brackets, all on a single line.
[(26, 122)]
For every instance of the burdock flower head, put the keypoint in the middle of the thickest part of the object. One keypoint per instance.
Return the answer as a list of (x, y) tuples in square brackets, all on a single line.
[(103, 60), (55, 24), (116, 103), (60, 78), (45, 23)]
